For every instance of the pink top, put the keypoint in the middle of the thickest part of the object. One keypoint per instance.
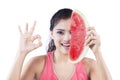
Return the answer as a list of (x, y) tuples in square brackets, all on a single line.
[(49, 73)]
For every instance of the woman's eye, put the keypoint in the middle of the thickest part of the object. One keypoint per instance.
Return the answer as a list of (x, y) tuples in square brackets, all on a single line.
[(60, 32)]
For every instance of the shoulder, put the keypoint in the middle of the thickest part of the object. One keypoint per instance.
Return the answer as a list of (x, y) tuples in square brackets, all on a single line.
[(38, 59), (88, 61), (34, 67), (38, 62), (89, 64)]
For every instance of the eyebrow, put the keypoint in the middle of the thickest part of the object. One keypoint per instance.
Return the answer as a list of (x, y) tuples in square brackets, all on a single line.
[(60, 29)]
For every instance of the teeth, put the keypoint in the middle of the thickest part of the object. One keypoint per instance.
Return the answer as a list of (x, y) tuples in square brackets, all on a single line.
[(67, 45)]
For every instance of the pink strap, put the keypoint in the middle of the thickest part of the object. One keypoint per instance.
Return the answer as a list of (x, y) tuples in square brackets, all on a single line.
[(49, 74)]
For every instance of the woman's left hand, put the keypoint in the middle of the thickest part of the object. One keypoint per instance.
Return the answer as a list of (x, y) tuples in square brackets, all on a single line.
[(93, 39)]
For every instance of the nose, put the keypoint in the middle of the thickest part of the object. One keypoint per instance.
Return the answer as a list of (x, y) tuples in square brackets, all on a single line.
[(67, 37)]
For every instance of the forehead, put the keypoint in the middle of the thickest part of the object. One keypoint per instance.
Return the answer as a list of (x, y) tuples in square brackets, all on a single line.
[(63, 24)]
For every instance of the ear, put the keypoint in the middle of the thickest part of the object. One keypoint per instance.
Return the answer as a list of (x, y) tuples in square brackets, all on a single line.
[(51, 34)]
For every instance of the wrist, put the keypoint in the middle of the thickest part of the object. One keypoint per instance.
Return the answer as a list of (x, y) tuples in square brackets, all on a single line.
[(22, 53), (98, 50), (97, 53)]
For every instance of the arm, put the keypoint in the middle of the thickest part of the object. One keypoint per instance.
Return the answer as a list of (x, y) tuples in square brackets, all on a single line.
[(26, 46), (99, 70), (34, 68), (17, 67)]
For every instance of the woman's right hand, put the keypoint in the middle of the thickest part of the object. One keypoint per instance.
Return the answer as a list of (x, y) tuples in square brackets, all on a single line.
[(27, 44)]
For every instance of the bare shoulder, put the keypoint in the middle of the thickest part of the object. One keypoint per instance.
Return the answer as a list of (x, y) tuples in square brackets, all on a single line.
[(38, 59), (34, 67), (89, 64), (37, 63), (88, 61)]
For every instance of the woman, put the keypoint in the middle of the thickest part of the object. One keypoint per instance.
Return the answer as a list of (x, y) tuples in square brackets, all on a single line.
[(55, 65)]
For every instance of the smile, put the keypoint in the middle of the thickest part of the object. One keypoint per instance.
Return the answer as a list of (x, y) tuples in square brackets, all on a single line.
[(65, 45)]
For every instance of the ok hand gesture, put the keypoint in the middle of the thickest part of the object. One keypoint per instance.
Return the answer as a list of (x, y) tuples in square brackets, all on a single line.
[(27, 44)]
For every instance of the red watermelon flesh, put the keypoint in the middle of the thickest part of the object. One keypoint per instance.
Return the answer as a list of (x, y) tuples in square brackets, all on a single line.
[(78, 33)]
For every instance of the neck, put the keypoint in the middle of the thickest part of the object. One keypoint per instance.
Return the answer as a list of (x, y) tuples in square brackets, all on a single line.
[(60, 57)]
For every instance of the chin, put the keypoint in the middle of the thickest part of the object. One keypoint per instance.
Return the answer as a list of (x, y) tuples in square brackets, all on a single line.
[(65, 51)]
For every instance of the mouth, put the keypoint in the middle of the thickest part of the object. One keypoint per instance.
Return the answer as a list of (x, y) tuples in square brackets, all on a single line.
[(67, 45)]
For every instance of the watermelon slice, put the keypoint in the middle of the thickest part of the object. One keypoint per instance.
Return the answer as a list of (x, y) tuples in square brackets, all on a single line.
[(78, 33)]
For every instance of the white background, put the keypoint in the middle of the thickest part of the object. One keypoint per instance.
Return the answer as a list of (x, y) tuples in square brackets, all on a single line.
[(104, 15)]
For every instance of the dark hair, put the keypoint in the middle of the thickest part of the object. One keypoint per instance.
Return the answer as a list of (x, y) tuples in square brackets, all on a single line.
[(64, 13)]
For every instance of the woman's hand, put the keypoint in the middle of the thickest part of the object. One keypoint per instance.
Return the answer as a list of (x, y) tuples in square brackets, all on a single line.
[(93, 39), (27, 40)]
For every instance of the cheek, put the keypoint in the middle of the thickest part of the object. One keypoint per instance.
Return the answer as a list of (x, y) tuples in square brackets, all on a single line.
[(57, 41), (57, 37)]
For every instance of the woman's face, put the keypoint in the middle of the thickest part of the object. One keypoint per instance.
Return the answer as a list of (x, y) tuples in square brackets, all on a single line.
[(61, 35)]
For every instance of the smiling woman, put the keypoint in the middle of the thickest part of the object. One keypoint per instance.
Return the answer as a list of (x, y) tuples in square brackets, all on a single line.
[(61, 36), (55, 65)]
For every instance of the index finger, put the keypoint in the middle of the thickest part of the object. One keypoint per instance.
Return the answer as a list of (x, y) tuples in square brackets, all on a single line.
[(33, 28)]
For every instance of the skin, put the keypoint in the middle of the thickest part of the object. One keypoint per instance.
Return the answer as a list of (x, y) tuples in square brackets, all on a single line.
[(95, 69)]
